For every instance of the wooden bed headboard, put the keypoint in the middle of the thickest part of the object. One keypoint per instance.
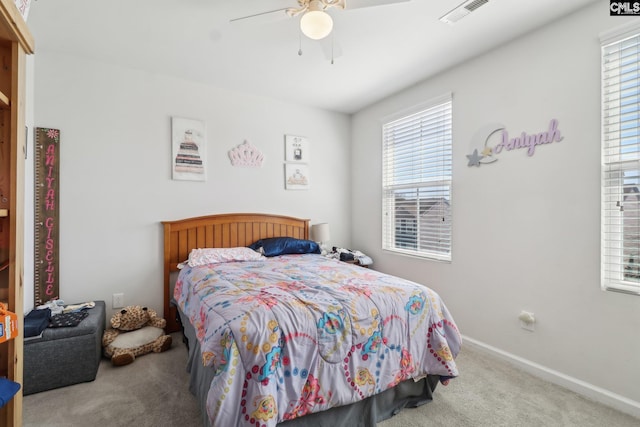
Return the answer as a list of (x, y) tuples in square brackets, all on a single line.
[(219, 231)]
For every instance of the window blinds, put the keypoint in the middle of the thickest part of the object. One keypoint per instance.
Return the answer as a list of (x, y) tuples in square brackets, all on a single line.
[(416, 174), (620, 252)]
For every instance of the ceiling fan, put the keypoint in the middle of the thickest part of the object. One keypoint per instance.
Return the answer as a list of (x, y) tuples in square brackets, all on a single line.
[(315, 22)]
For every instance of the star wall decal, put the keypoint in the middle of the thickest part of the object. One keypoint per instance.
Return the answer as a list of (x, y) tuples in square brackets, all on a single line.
[(484, 139), (474, 158)]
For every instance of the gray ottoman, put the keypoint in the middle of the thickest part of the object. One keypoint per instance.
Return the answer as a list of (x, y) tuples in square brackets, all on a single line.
[(65, 356)]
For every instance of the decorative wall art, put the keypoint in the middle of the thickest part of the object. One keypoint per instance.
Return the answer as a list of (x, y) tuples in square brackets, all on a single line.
[(46, 215), (296, 176), (23, 7), (297, 149), (189, 149), (492, 139), (246, 155), (297, 154)]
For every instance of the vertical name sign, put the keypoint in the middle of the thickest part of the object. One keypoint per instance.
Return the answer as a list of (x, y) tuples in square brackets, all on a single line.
[(47, 214)]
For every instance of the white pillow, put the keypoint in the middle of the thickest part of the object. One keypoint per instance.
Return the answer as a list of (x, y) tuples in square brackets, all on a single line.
[(217, 255)]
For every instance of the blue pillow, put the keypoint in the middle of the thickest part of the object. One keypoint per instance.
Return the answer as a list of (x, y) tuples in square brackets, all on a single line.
[(275, 246)]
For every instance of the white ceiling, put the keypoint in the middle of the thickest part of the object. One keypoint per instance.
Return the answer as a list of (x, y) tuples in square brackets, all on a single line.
[(383, 48)]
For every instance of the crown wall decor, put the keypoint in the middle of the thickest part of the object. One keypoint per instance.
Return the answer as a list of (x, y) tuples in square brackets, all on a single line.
[(246, 155)]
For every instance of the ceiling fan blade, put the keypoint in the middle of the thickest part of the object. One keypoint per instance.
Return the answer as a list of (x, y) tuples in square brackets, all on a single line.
[(357, 4), (264, 17)]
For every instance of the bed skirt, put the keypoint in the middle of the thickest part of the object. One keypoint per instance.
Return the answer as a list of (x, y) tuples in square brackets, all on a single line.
[(365, 413)]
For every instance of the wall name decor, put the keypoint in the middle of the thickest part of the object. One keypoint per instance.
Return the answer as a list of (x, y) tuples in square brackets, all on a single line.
[(46, 215), (525, 141)]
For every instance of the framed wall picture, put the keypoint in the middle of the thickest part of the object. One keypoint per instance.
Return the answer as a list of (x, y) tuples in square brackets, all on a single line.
[(189, 145), (297, 149), (296, 176)]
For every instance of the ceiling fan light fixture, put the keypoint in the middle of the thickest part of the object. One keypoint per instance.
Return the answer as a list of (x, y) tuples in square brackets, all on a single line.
[(316, 24)]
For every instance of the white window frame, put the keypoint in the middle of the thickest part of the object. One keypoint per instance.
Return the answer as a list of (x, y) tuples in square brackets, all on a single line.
[(431, 242), (620, 156)]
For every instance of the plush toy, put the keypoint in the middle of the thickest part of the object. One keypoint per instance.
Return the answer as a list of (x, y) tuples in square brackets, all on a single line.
[(135, 330)]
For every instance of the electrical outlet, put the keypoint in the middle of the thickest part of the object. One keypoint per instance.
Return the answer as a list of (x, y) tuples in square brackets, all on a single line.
[(118, 301)]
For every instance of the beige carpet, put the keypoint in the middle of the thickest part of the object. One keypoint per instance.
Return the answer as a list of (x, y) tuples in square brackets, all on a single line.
[(153, 391)]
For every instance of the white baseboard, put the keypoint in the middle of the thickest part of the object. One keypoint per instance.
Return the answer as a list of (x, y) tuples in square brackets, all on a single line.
[(591, 391)]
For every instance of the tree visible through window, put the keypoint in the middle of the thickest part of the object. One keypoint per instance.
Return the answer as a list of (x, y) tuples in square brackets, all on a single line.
[(417, 181)]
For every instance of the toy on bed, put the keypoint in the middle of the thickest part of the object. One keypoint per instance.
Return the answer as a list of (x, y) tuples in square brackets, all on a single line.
[(135, 331)]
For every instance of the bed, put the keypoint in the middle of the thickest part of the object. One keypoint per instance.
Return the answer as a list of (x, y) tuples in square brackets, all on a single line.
[(299, 339)]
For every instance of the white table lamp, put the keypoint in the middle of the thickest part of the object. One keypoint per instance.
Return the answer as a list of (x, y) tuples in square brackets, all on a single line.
[(320, 233)]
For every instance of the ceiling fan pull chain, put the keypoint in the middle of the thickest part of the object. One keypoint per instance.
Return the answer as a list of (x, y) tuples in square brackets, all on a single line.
[(332, 38), (299, 42)]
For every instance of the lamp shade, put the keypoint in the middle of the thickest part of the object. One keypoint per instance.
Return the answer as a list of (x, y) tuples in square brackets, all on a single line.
[(320, 232), (316, 24)]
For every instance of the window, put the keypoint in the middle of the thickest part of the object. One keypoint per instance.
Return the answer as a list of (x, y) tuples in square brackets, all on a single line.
[(416, 181), (621, 161)]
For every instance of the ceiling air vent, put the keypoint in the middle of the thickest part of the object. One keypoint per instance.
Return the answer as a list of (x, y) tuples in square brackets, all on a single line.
[(462, 10)]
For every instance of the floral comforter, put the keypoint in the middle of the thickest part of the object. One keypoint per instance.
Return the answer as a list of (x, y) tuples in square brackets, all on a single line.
[(297, 334)]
